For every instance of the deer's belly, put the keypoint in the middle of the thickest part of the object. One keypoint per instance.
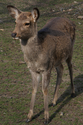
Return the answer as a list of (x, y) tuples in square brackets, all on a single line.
[(36, 67)]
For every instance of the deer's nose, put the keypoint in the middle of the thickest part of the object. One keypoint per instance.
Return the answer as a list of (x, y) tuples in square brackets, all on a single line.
[(13, 34)]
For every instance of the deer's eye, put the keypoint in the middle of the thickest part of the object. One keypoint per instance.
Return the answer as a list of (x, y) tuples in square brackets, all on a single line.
[(27, 24)]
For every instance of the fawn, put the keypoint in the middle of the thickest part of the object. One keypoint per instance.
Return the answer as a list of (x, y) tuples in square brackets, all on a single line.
[(43, 50)]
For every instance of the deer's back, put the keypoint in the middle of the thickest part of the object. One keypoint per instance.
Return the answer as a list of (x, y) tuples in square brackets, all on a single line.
[(57, 38), (59, 26)]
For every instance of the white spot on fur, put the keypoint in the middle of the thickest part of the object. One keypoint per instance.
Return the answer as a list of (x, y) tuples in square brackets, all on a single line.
[(38, 78)]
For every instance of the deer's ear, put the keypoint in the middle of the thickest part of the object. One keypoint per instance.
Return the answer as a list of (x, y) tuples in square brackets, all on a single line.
[(35, 14), (13, 11)]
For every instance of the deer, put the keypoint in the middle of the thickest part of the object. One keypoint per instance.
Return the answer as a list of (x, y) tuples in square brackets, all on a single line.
[(44, 50)]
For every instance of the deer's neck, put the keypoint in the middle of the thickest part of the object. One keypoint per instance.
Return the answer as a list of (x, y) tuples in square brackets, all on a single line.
[(32, 40), (30, 45)]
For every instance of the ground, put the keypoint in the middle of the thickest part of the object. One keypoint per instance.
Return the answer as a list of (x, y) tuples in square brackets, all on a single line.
[(15, 79)]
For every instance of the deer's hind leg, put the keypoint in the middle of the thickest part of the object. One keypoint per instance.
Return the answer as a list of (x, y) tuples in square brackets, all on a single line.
[(71, 76), (59, 70)]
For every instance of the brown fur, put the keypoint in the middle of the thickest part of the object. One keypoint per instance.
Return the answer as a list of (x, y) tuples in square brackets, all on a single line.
[(44, 50)]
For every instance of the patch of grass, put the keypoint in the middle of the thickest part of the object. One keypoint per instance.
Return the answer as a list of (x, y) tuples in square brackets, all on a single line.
[(15, 79)]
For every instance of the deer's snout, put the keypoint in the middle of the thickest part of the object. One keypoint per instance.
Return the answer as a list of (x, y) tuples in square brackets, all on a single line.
[(14, 35)]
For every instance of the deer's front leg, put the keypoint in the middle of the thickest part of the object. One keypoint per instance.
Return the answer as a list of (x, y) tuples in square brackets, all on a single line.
[(45, 83), (35, 81)]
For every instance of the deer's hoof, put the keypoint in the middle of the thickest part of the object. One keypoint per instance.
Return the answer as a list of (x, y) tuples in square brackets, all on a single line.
[(28, 120), (54, 104), (46, 122), (73, 95)]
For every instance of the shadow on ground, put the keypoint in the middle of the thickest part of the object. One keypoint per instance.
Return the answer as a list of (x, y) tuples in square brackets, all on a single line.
[(78, 82)]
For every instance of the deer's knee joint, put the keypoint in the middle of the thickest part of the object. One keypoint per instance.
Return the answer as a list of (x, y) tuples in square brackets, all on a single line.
[(45, 91), (34, 91)]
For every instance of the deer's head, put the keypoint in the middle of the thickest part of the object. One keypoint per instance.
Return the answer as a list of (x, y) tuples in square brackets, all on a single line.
[(25, 22)]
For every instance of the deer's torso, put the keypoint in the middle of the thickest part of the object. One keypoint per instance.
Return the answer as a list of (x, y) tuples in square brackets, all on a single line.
[(50, 47)]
